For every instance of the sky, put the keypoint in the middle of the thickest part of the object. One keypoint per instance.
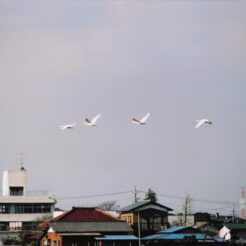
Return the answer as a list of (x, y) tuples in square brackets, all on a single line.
[(63, 61)]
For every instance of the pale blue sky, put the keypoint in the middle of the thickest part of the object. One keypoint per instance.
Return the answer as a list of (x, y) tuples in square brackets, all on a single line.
[(62, 61)]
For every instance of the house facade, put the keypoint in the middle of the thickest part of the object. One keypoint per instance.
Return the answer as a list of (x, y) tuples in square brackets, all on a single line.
[(86, 226), (148, 215)]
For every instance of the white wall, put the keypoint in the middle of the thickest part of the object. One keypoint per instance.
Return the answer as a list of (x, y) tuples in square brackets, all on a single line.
[(225, 232), (14, 178)]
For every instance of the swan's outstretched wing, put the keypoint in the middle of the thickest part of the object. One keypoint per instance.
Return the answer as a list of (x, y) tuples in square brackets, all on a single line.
[(94, 120), (62, 127), (200, 122), (143, 120)]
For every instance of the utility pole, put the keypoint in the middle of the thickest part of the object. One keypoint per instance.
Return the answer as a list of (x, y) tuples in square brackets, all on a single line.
[(139, 230), (185, 211), (135, 194), (233, 213)]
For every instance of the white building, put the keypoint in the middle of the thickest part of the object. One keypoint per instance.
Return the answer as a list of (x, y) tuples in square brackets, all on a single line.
[(19, 209), (233, 231), (179, 219)]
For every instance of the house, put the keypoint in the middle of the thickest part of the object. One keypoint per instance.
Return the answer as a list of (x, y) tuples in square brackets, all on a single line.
[(233, 232), (206, 224), (86, 226), (179, 233), (149, 215), (20, 209)]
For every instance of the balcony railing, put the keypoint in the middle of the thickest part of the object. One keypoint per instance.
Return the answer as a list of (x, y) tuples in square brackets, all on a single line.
[(35, 193)]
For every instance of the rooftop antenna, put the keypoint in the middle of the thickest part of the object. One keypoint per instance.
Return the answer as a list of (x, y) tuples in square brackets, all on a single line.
[(21, 158)]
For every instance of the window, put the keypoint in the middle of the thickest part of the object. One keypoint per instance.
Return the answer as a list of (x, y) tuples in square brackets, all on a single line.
[(37, 208), (15, 226), (18, 208), (2, 209), (47, 242), (16, 191), (129, 220), (26, 208), (46, 208), (55, 243)]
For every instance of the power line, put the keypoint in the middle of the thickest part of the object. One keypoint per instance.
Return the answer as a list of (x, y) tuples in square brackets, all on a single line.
[(91, 196), (135, 191), (196, 199)]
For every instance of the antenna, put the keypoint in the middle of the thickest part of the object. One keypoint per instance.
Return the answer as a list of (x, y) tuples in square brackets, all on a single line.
[(21, 159)]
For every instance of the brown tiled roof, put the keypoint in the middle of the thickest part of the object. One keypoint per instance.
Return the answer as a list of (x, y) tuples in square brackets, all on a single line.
[(85, 214)]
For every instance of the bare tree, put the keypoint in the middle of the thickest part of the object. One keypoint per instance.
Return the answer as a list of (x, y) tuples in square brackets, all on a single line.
[(187, 207), (108, 206)]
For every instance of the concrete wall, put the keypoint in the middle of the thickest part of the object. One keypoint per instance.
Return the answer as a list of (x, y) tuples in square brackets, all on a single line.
[(21, 217), (14, 178)]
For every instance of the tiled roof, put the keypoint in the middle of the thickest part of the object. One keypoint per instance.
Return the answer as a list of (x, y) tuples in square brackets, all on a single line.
[(85, 214), (146, 204), (90, 226)]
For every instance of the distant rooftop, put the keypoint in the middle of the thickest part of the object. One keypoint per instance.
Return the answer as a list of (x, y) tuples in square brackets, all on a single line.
[(234, 226), (138, 206)]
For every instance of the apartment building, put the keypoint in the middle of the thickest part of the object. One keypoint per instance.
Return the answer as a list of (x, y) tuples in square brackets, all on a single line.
[(20, 209)]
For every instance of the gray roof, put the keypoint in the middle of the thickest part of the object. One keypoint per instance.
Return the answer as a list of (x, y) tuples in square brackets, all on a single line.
[(146, 204), (94, 226)]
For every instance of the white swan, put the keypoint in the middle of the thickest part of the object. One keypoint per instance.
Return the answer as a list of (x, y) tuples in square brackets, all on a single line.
[(69, 126), (142, 121), (92, 122), (203, 121)]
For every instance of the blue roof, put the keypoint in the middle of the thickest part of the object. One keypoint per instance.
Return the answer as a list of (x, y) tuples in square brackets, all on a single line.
[(155, 236), (179, 236), (219, 239), (116, 237), (172, 229)]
